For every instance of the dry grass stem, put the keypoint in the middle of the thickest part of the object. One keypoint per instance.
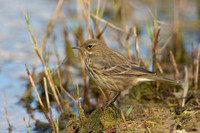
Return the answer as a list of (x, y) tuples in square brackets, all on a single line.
[(159, 67), (155, 44), (123, 118), (197, 68), (35, 46), (164, 46), (48, 104), (98, 7), (60, 79), (83, 10), (70, 96), (128, 48), (104, 95), (185, 86), (174, 64), (101, 33), (38, 96), (46, 92), (106, 22), (9, 125), (148, 129), (98, 32), (176, 22), (63, 27), (80, 109), (118, 39), (136, 45), (88, 18), (86, 91), (61, 86), (154, 30), (157, 34), (51, 24), (48, 77), (49, 30), (193, 78)]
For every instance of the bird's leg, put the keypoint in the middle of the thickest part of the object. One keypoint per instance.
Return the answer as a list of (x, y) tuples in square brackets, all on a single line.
[(112, 100)]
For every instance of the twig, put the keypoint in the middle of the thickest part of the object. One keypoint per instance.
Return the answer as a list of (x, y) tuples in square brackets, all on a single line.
[(9, 125), (48, 105), (109, 24), (197, 68), (136, 45), (174, 64), (36, 92)]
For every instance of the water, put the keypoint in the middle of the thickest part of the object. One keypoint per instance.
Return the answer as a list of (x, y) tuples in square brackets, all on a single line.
[(16, 49)]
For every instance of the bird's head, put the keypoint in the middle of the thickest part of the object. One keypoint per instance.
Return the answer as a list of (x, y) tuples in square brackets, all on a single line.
[(91, 46)]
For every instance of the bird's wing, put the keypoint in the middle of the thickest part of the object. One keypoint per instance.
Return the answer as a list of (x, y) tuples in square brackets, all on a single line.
[(110, 67), (128, 70)]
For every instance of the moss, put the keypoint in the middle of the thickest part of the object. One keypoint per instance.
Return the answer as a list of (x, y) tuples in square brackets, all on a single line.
[(67, 116), (103, 119), (72, 124), (81, 112)]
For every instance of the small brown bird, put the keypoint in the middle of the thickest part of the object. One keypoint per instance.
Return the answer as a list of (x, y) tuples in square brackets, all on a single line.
[(112, 70)]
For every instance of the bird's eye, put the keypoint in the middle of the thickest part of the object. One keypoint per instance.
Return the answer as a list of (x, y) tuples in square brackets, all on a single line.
[(89, 46)]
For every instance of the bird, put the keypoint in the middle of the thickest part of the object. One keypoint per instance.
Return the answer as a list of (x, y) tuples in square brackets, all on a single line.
[(112, 70)]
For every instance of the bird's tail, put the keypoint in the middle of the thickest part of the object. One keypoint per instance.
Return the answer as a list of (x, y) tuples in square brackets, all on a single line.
[(155, 77), (166, 79)]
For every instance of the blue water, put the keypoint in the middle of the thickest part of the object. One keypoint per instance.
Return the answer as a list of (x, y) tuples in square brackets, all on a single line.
[(16, 49)]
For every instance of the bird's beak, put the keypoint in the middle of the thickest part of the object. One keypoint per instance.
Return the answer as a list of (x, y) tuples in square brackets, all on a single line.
[(78, 47)]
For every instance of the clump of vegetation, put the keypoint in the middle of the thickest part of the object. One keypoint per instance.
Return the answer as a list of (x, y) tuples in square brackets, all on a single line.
[(149, 107)]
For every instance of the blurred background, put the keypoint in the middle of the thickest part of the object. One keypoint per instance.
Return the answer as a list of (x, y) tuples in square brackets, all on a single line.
[(179, 19)]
